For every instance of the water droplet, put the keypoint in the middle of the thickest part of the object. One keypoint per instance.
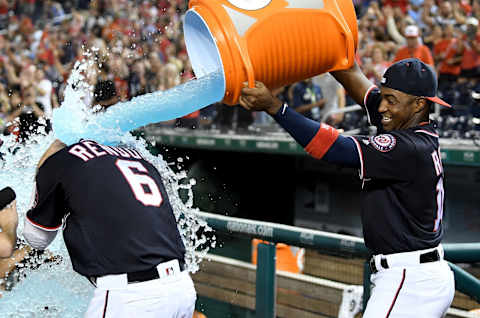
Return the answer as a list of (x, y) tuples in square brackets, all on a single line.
[(36, 283)]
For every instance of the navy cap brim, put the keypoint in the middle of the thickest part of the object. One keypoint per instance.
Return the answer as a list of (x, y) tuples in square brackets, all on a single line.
[(439, 101)]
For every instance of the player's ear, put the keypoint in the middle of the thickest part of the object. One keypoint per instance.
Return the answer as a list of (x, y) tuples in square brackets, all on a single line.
[(420, 104)]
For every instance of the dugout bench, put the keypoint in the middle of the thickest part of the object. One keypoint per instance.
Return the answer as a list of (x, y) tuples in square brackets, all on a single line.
[(327, 279)]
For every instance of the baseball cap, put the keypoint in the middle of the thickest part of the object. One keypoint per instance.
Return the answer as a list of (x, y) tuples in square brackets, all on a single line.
[(413, 77), (472, 21), (411, 31)]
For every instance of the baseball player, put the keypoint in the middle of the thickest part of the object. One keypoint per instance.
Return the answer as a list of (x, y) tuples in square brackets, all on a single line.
[(8, 222), (14, 253), (118, 226), (402, 182)]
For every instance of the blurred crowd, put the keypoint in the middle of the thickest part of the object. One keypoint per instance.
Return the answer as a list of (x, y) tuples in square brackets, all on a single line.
[(444, 34), (138, 48)]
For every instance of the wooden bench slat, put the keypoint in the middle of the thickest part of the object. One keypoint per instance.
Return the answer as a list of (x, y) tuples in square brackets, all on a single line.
[(226, 296), (314, 257), (300, 302), (464, 302), (227, 270), (233, 283), (289, 312), (319, 292), (344, 276), (346, 270)]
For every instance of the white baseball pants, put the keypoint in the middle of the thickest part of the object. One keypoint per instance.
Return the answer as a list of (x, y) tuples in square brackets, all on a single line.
[(170, 297), (424, 290)]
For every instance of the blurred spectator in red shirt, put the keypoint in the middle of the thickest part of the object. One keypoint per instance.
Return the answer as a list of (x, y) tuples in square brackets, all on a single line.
[(447, 56), (470, 46), (4, 8), (465, 6), (414, 49), (402, 4)]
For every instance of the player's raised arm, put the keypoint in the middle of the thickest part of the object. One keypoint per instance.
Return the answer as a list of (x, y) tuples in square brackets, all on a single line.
[(8, 222), (45, 217), (321, 141), (355, 82)]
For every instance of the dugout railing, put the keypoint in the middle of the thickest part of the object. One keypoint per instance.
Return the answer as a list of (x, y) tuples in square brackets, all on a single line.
[(265, 278)]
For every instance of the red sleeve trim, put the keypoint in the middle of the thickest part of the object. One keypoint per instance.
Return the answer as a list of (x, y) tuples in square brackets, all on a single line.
[(42, 227), (322, 141), (426, 132)]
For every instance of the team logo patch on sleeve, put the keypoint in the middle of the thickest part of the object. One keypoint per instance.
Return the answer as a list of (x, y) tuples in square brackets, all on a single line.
[(383, 143)]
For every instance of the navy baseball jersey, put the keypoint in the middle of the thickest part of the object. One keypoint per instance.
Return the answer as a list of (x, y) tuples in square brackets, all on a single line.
[(402, 177), (114, 208)]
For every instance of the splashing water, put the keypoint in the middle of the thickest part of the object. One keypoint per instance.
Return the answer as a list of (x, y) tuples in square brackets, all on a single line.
[(70, 123), (54, 290)]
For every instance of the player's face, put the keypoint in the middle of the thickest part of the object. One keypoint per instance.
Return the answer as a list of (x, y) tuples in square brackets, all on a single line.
[(397, 109)]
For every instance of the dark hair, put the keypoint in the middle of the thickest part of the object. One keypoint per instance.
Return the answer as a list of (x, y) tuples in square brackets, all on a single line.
[(14, 89)]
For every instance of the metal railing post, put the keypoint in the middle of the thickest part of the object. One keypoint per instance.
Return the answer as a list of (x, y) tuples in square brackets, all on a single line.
[(466, 282), (308, 238), (266, 287)]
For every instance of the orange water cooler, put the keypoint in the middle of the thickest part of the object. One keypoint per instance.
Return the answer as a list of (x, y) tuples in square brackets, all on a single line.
[(277, 42)]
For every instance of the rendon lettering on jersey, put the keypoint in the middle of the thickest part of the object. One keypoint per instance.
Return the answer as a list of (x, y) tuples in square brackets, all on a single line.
[(90, 149)]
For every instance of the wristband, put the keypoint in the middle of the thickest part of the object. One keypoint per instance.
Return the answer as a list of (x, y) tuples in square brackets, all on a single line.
[(322, 141), (7, 195)]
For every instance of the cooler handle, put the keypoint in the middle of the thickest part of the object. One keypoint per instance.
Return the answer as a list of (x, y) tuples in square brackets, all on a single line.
[(247, 63), (338, 15)]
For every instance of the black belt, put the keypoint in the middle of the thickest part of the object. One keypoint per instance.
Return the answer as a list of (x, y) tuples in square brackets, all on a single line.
[(428, 257), (141, 276)]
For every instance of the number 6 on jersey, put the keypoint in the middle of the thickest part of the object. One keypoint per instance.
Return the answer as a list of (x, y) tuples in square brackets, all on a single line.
[(139, 182)]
